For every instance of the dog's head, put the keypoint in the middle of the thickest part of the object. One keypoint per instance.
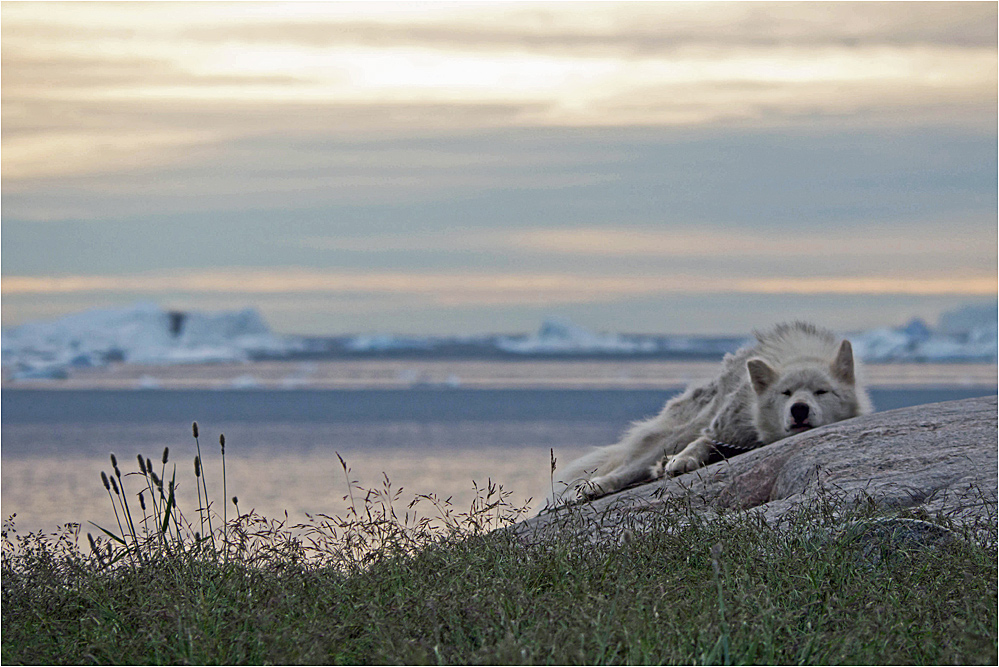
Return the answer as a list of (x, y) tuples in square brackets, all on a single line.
[(804, 395)]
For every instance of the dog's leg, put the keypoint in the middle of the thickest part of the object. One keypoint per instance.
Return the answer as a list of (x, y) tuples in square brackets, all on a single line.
[(641, 469), (692, 457)]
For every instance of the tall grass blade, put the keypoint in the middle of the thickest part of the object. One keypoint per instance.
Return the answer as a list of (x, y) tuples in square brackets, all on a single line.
[(108, 533), (167, 510), (203, 485), (225, 494)]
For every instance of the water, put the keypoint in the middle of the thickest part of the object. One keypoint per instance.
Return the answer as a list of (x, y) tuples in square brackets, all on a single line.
[(282, 445)]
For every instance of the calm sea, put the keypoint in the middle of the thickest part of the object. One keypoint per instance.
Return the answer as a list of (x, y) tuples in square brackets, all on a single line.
[(282, 444)]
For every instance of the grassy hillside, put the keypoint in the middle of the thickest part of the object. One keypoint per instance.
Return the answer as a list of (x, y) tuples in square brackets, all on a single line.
[(390, 584)]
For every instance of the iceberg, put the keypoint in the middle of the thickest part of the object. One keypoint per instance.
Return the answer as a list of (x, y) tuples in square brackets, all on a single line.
[(148, 334), (560, 336), (967, 334), (142, 334), (970, 333), (970, 321), (386, 343)]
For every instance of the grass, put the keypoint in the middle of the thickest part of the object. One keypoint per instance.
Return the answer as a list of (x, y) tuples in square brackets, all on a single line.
[(390, 584)]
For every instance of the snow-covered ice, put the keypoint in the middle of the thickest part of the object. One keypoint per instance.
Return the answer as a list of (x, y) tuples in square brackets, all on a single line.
[(148, 334), (142, 334), (969, 333), (560, 336), (386, 343)]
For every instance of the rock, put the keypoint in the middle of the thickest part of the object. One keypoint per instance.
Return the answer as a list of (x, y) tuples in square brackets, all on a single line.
[(889, 538), (939, 460)]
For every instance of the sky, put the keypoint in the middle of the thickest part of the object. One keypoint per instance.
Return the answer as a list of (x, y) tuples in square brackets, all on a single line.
[(461, 168)]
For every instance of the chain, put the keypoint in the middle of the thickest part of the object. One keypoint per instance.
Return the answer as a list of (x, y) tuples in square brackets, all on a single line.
[(727, 450)]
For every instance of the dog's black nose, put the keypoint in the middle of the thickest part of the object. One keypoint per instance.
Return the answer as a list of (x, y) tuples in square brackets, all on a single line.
[(800, 412)]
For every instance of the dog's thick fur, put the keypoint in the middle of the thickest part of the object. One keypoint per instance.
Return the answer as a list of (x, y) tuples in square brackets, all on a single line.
[(795, 377)]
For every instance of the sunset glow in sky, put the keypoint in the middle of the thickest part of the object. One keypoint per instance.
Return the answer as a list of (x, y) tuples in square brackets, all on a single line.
[(471, 167)]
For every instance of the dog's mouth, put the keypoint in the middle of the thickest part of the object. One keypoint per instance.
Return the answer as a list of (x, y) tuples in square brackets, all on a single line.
[(800, 428)]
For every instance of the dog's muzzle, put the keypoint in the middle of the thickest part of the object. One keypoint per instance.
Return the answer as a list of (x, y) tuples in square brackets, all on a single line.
[(800, 415)]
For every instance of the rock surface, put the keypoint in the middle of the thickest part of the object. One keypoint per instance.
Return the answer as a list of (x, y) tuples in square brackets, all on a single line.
[(940, 459)]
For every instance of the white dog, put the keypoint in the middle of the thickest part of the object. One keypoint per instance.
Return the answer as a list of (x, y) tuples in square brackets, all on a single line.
[(794, 378)]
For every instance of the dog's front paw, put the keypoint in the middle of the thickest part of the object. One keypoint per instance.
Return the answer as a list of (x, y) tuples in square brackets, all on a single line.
[(593, 488), (682, 463)]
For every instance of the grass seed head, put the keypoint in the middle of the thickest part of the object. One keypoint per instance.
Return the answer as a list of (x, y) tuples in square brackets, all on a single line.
[(194, 428), (166, 454), (142, 463), (114, 486), (197, 466), (222, 441), (104, 478), (142, 501)]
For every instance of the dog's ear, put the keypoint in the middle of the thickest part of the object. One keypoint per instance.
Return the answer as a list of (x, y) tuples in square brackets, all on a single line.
[(760, 374), (842, 365)]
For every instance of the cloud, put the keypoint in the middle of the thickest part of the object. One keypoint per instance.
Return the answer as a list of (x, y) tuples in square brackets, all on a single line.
[(30, 75), (673, 242), (475, 155), (716, 244), (282, 140), (517, 178), (937, 258), (472, 288), (635, 29), (208, 76)]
